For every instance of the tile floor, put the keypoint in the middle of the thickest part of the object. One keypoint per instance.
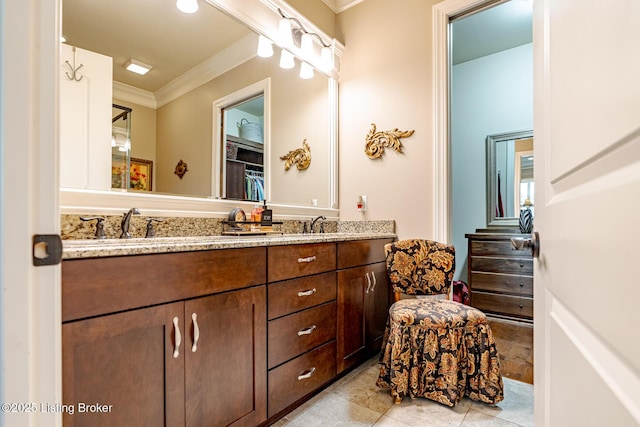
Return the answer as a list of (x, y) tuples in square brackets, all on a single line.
[(355, 400)]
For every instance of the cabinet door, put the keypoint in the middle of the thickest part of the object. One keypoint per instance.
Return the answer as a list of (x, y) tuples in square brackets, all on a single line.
[(352, 284), (226, 363), (377, 305), (126, 363)]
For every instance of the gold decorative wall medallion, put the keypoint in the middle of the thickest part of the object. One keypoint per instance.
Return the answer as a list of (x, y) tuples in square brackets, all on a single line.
[(376, 141), (301, 157), (181, 169)]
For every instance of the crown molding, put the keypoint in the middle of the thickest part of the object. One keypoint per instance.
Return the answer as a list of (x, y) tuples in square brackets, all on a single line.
[(133, 94)]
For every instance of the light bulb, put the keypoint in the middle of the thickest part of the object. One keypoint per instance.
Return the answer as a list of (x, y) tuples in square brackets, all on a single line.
[(286, 60), (326, 59), (306, 71), (265, 48), (187, 6), (306, 44), (284, 29)]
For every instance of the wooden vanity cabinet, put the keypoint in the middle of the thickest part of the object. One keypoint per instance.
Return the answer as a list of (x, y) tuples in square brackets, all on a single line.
[(301, 321), (363, 300), (160, 364), (500, 277)]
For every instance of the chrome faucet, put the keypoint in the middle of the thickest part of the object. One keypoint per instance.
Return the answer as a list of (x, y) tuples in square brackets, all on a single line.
[(320, 218), (124, 225)]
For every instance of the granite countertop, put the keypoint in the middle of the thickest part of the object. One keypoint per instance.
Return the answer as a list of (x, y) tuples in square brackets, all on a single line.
[(73, 249)]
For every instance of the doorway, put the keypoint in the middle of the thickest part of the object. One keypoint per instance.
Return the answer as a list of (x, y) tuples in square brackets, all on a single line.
[(489, 81)]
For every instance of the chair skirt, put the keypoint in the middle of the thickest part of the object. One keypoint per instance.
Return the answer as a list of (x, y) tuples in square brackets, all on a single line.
[(441, 350)]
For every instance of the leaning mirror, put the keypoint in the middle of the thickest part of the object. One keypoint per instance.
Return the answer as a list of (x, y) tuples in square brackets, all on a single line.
[(510, 185), (196, 61)]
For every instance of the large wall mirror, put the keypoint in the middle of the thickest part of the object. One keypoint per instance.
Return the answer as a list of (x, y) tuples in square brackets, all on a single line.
[(510, 185), (198, 60)]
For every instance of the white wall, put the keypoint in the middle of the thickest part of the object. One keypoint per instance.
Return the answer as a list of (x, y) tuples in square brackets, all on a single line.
[(490, 95)]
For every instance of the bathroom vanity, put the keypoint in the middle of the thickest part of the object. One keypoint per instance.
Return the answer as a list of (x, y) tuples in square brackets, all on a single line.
[(216, 331)]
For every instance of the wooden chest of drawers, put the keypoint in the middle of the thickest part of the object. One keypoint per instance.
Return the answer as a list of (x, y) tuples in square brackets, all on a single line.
[(301, 321), (500, 277)]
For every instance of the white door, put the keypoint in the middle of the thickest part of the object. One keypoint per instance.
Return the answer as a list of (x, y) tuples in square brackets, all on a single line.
[(29, 296), (587, 151)]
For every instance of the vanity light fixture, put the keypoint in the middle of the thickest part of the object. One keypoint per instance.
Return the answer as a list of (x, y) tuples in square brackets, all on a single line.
[(286, 60), (137, 67), (306, 71), (187, 6), (265, 47), (290, 36)]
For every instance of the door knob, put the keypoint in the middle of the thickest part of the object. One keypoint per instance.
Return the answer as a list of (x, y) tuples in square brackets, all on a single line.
[(532, 243)]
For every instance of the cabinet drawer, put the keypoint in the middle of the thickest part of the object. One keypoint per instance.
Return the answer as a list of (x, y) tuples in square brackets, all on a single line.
[(361, 252), (503, 283), (503, 304), (292, 335), (502, 265), (301, 376), (97, 286), (502, 247), (287, 262), (297, 294)]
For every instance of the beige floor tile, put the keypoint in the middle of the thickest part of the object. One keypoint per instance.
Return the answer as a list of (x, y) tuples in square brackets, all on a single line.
[(333, 410), (424, 412), (362, 389), (517, 406), (479, 419)]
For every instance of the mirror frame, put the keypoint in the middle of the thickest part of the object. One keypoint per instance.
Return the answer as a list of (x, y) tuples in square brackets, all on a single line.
[(263, 18), (492, 220)]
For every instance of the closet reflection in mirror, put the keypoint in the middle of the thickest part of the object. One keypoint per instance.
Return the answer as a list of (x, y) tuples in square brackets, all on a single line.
[(243, 157), (510, 185)]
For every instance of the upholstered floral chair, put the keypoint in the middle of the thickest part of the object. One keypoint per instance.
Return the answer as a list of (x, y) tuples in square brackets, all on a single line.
[(434, 348)]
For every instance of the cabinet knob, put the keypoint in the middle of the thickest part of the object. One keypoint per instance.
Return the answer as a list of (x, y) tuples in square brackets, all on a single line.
[(306, 374), (177, 337), (307, 293), (196, 333), (521, 306), (306, 331)]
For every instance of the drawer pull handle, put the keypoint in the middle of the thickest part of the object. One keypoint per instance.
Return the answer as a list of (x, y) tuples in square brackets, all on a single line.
[(306, 331), (375, 282), (196, 333), (368, 284), (307, 293), (177, 337), (521, 306), (521, 284), (307, 259), (306, 375)]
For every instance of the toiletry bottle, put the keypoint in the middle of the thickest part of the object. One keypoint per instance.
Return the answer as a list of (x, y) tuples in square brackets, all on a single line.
[(266, 220), (256, 217)]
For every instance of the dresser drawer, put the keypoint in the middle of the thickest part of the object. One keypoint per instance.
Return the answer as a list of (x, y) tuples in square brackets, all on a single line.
[(503, 304), (491, 247), (520, 266), (503, 283), (361, 252), (297, 333), (301, 376), (297, 294), (287, 262)]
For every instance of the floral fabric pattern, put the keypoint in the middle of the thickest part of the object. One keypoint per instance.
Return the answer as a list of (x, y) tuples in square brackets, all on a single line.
[(438, 349)]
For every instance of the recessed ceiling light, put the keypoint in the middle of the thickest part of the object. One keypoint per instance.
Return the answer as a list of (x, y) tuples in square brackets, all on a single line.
[(187, 6), (137, 67)]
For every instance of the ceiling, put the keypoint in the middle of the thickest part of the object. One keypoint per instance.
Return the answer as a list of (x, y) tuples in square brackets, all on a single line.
[(501, 27), (160, 35), (175, 42)]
